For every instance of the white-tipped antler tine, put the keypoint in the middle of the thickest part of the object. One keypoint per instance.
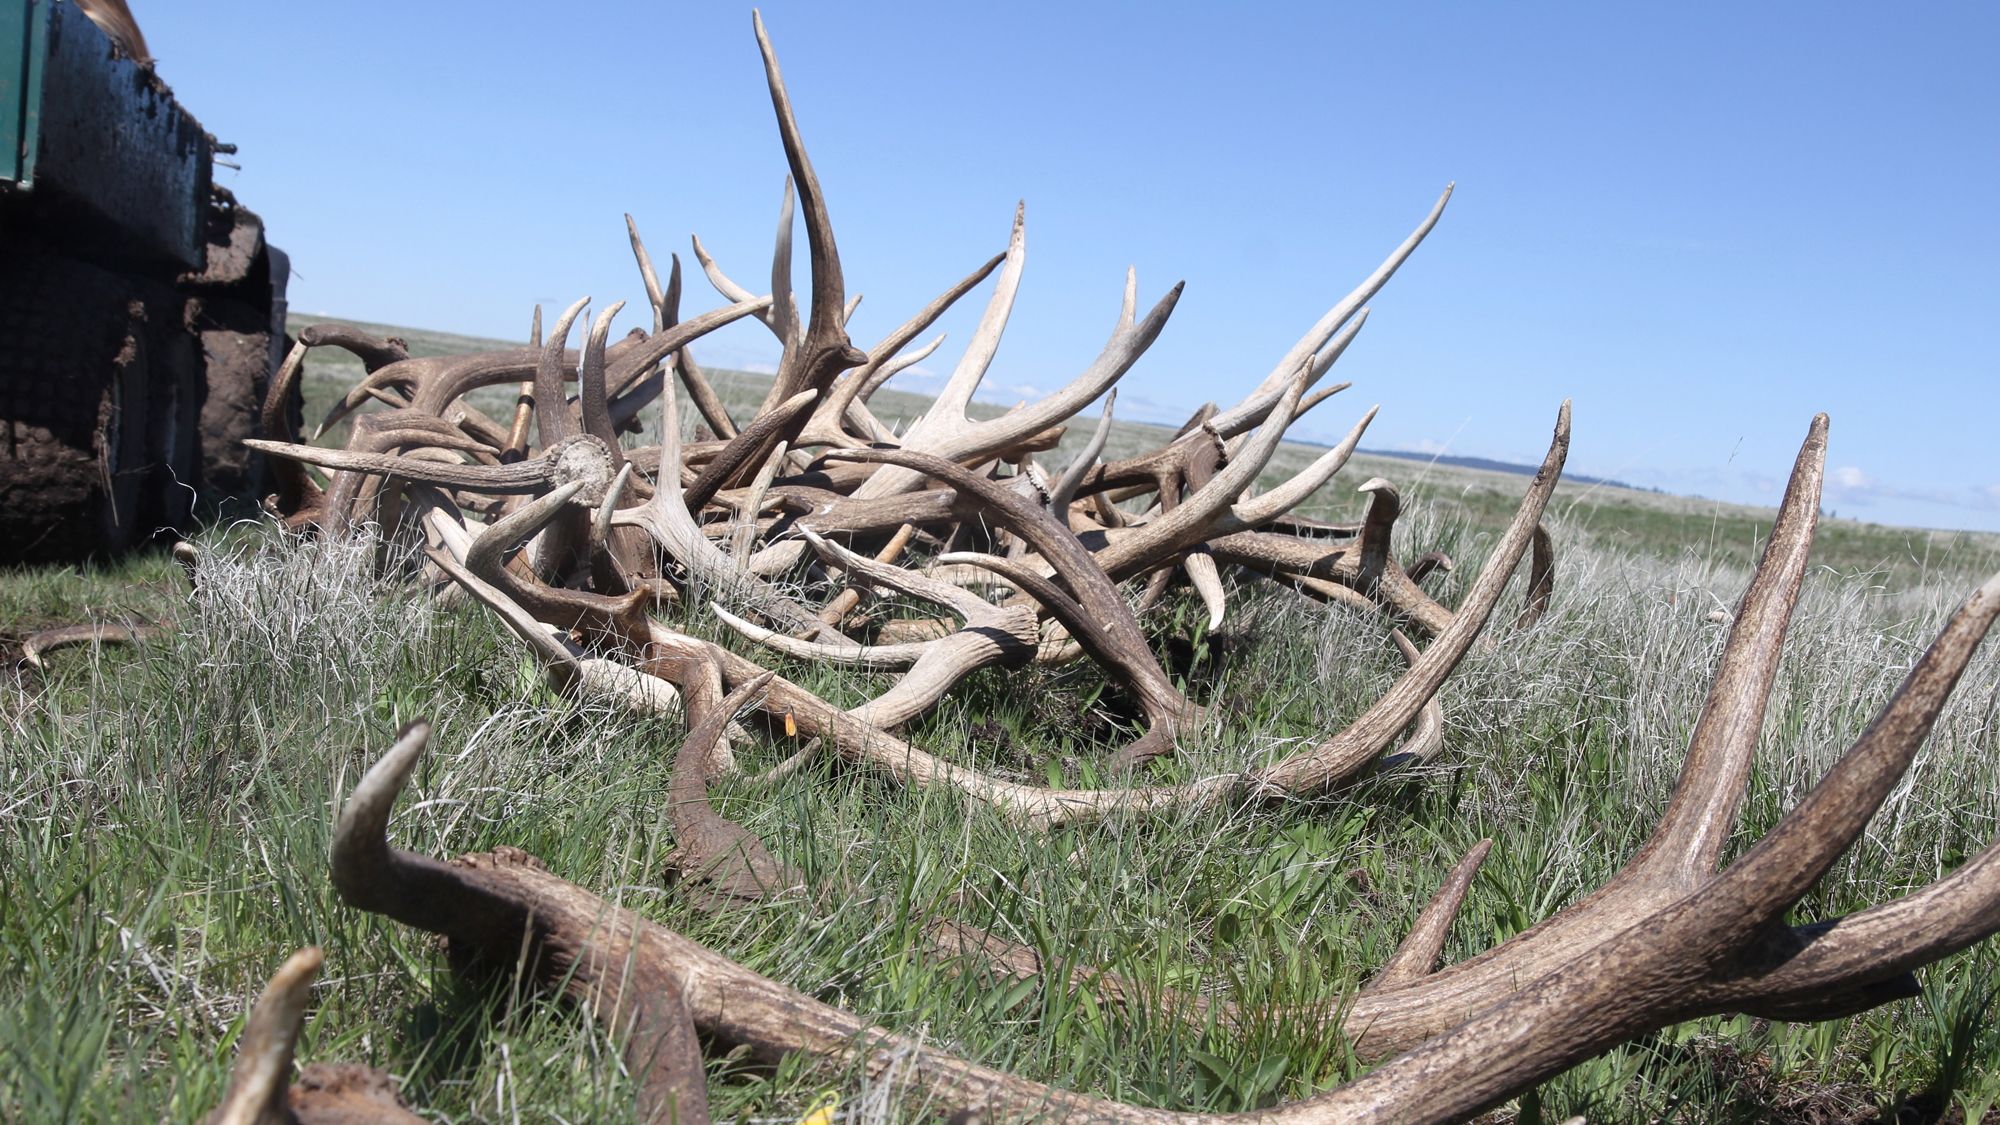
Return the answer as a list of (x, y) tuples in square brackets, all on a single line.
[(894, 367), (874, 658), (491, 545), (361, 858), (1270, 505), (1364, 738), (736, 293), (859, 383), (862, 569), (949, 409), (784, 305), (1254, 409), (995, 434), (1337, 316), (1200, 567), (600, 524), (262, 1077), (1065, 486), (656, 296), (1130, 310)]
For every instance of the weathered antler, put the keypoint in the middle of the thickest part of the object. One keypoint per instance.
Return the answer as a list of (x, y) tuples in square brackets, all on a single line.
[(260, 1090)]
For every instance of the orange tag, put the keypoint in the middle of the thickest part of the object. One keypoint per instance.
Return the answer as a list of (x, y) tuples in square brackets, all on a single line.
[(791, 728)]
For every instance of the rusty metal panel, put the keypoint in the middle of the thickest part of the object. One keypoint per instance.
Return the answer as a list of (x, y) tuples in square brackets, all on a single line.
[(115, 148)]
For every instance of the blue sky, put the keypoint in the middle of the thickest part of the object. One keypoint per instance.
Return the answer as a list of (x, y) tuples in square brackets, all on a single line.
[(1703, 223)]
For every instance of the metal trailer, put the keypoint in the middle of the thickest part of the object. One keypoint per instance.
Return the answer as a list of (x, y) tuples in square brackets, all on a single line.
[(141, 311)]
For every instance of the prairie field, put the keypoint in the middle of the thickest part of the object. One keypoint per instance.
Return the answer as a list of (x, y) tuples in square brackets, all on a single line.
[(166, 811)]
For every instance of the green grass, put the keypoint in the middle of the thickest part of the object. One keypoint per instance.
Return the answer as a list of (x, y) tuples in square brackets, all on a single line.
[(166, 811)]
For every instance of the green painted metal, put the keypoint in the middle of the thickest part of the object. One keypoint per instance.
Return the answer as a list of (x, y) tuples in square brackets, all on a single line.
[(24, 46)]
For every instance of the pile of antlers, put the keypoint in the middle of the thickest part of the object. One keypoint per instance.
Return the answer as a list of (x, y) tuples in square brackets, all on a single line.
[(572, 542), (816, 484)]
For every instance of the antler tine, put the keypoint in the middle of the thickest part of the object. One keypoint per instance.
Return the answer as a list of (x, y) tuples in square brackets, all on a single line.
[(736, 293), (1192, 520), (591, 397), (487, 553), (294, 487), (552, 420), (874, 658), (894, 367), (1384, 505), (1703, 952), (826, 350), (948, 411), (1782, 866), (1346, 752), (666, 314), (1541, 580), (1338, 314), (600, 523), (754, 439), (1689, 838), (1876, 944), (1130, 309), (784, 306), (1428, 738), (1065, 487), (1207, 581), (825, 425), (262, 1076), (368, 873), (656, 296), (989, 437), (1262, 509), (1420, 947), (677, 337), (1257, 406)]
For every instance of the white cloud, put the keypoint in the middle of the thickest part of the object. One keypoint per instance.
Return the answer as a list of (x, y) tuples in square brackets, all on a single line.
[(1850, 486)]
